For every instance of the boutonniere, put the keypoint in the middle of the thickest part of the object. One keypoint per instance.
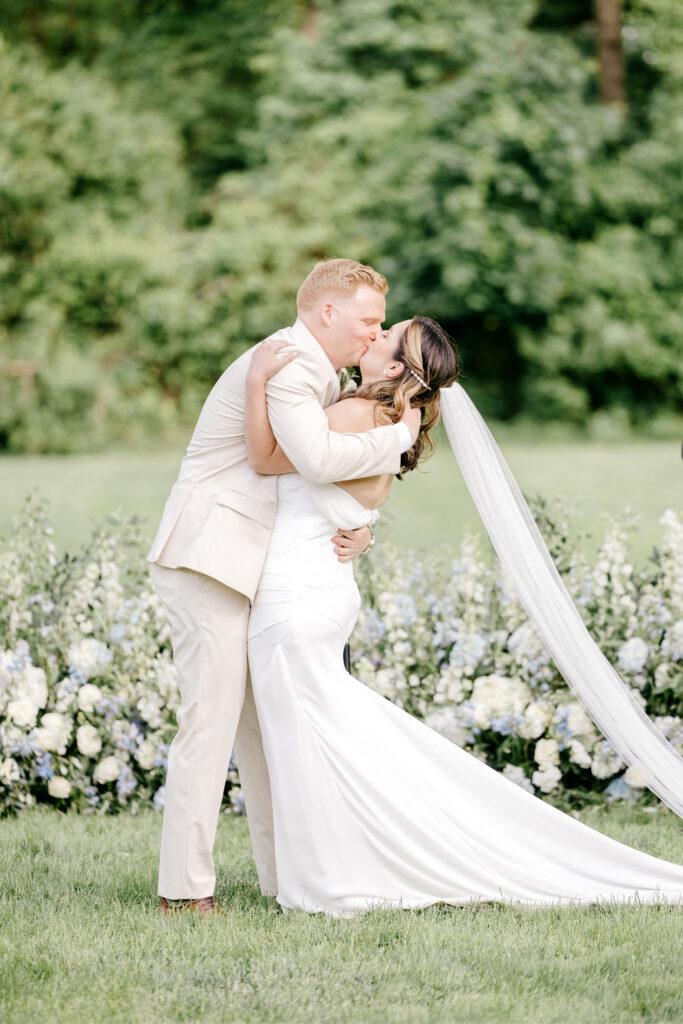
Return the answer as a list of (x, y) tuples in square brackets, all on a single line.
[(347, 380)]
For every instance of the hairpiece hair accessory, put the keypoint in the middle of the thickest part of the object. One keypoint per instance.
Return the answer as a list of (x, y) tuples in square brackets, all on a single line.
[(422, 382)]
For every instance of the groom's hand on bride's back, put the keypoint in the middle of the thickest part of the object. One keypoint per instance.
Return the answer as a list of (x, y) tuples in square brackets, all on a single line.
[(412, 419)]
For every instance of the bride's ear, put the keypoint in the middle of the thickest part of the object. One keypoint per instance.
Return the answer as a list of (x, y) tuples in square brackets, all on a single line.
[(394, 370)]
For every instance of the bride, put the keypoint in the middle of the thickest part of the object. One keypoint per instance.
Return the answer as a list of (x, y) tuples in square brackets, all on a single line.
[(372, 808)]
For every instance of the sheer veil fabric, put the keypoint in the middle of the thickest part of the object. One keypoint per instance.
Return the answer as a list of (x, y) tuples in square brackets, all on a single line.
[(525, 557)]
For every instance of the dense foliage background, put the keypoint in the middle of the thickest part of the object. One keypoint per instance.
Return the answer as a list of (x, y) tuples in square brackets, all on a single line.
[(170, 171)]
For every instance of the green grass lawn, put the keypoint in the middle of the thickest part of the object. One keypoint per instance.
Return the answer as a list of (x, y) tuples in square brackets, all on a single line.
[(430, 507), (81, 941)]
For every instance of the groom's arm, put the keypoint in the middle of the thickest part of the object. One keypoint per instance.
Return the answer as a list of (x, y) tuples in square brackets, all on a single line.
[(319, 454)]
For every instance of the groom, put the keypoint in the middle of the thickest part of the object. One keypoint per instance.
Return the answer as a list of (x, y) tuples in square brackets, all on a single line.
[(209, 552)]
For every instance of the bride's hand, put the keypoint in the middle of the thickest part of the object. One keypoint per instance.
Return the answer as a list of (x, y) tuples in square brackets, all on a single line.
[(269, 357), (412, 419), (348, 544)]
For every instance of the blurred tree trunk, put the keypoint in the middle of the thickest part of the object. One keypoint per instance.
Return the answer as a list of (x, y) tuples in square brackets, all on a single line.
[(310, 25), (610, 54)]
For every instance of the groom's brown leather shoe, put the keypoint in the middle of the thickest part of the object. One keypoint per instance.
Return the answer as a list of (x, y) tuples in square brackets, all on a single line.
[(206, 906)]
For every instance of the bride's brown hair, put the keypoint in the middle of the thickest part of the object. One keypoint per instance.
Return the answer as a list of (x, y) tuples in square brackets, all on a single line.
[(427, 351)]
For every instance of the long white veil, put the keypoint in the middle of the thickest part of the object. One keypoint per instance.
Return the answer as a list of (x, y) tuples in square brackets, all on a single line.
[(523, 553)]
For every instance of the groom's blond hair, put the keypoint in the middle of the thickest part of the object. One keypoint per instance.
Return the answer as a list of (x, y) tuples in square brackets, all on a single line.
[(335, 279)]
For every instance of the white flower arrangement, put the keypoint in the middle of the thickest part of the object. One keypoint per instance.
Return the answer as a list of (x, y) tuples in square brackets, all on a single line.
[(88, 691)]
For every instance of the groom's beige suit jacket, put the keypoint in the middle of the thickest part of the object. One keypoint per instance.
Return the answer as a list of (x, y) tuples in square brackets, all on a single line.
[(218, 521), (220, 513)]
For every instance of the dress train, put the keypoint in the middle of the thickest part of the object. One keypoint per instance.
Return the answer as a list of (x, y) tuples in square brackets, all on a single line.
[(371, 807)]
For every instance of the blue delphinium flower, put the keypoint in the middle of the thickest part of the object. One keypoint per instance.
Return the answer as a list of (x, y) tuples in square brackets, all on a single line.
[(126, 782), (44, 769)]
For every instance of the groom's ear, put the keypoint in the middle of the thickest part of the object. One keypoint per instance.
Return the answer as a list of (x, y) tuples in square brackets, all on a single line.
[(326, 313), (394, 370)]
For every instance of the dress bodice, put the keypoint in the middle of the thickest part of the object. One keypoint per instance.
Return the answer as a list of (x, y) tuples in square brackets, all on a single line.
[(301, 564), (336, 506)]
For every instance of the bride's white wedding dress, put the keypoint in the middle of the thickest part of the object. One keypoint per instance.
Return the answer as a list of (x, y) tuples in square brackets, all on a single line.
[(371, 807)]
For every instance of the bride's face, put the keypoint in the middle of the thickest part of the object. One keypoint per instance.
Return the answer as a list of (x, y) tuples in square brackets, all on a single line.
[(380, 362)]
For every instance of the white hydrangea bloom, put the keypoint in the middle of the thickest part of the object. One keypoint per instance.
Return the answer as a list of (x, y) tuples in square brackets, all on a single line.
[(672, 645), (445, 720), (605, 761), (498, 697), (516, 774), (88, 658), (53, 733), (451, 683), (633, 655), (89, 697), (546, 778), (65, 694), (23, 712), (34, 685), (10, 663), (166, 675), (150, 709), (388, 682), (547, 752)]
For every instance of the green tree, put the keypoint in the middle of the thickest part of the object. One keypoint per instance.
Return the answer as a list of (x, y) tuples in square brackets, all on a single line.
[(91, 199), (463, 152), (188, 59)]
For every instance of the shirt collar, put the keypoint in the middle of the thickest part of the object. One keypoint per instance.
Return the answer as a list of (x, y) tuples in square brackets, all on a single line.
[(303, 337)]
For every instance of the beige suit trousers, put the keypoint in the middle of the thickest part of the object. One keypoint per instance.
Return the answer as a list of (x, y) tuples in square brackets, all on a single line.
[(209, 636)]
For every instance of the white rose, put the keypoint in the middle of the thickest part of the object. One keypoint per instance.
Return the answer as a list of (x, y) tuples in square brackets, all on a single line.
[(88, 740), (89, 696), (9, 771), (536, 719), (54, 732), (146, 754), (547, 778), (632, 777), (22, 712), (107, 770), (546, 753), (59, 787)]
